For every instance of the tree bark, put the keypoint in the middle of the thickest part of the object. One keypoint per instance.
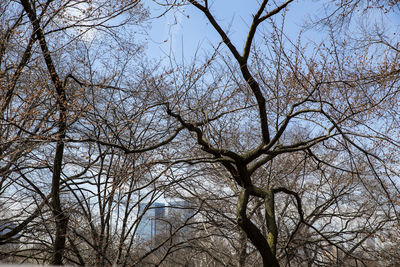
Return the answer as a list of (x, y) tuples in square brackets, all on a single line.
[(242, 249), (272, 237), (253, 233)]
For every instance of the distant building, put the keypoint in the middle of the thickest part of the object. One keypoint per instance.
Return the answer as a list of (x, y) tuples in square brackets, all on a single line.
[(149, 225), (161, 218), (181, 211)]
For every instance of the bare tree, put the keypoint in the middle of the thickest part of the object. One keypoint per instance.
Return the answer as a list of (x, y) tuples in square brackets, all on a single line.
[(286, 150), (252, 110), (40, 104)]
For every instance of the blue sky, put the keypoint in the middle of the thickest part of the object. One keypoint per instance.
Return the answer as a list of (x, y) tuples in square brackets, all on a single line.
[(186, 30)]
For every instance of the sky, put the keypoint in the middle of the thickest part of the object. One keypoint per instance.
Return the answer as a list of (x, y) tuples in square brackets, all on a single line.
[(186, 31)]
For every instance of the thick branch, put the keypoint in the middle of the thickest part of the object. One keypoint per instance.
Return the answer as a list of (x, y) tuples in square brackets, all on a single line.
[(296, 196), (201, 139), (252, 30), (220, 31), (254, 86)]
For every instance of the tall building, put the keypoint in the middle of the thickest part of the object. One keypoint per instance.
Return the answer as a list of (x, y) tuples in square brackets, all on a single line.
[(161, 218), (149, 225), (181, 211)]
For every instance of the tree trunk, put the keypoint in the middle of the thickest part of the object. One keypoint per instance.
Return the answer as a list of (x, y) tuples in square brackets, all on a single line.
[(253, 233), (61, 219), (270, 220), (242, 249)]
